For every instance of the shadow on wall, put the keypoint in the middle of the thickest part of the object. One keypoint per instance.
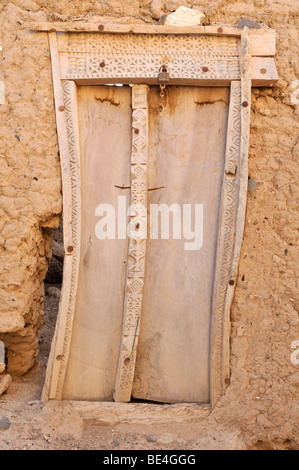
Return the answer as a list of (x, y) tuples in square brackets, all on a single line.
[(54, 274), (53, 281)]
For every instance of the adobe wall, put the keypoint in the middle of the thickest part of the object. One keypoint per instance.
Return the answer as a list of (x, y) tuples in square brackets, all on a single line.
[(261, 403)]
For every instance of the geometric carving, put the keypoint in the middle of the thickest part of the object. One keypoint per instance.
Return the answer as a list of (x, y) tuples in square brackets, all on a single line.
[(70, 104), (84, 56), (234, 129), (137, 246), (134, 53), (226, 237), (67, 124)]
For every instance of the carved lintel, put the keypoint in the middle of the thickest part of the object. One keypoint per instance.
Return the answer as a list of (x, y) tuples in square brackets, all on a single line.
[(201, 60)]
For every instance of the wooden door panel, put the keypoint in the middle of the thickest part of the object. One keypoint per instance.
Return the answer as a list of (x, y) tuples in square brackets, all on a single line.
[(105, 147), (186, 161), (88, 337), (186, 148)]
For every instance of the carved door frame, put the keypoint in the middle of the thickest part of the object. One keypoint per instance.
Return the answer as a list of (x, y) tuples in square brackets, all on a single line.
[(87, 54)]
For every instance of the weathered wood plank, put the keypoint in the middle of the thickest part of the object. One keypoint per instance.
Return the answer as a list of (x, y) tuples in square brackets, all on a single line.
[(213, 30), (111, 414), (262, 71), (262, 42)]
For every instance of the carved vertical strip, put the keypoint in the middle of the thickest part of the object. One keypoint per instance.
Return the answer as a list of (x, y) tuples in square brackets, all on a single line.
[(53, 367), (245, 60), (73, 250), (68, 137), (137, 246), (232, 220), (226, 238)]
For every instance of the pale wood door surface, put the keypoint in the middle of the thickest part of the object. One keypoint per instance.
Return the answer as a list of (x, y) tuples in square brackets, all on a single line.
[(186, 161), (105, 141)]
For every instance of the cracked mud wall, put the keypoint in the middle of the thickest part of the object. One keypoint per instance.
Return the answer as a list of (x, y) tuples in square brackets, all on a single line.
[(261, 404)]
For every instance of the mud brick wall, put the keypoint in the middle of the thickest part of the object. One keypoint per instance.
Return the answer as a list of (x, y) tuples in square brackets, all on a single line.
[(261, 403)]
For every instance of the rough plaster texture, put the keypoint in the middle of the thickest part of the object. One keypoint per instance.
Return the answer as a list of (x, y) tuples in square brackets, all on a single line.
[(261, 406)]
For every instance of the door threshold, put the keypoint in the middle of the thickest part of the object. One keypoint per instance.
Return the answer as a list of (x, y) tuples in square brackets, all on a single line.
[(111, 413)]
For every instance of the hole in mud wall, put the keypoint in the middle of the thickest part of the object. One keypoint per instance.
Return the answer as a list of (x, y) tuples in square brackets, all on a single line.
[(53, 283)]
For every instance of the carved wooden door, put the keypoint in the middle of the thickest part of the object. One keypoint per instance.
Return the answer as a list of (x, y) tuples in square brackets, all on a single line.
[(143, 310), (144, 317)]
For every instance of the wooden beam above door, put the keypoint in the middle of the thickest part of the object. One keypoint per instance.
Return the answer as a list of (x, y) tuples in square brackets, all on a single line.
[(192, 59), (264, 39)]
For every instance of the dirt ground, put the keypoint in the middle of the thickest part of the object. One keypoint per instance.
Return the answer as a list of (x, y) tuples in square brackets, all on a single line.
[(57, 426), (36, 426)]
